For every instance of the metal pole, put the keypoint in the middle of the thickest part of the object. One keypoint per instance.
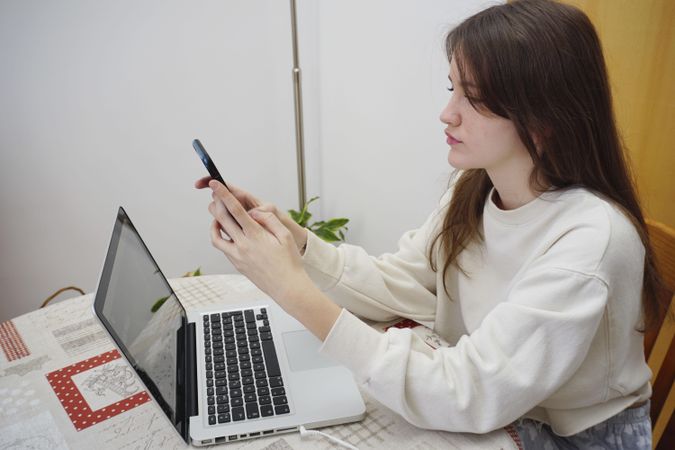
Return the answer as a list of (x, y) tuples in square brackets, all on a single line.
[(299, 124)]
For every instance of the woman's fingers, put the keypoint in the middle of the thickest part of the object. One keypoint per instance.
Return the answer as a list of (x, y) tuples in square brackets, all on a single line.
[(234, 207), (202, 183), (272, 224), (226, 221), (218, 241)]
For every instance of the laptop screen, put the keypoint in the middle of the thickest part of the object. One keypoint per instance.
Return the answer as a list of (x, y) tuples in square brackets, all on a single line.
[(141, 312)]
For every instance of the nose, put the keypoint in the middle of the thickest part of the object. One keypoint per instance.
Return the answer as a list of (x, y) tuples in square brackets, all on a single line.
[(449, 115)]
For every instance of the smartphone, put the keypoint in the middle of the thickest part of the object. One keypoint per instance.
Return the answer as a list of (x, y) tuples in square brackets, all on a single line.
[(208, 162)]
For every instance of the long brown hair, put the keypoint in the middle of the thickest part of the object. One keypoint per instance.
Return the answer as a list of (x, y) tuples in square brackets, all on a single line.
[(539, 64)]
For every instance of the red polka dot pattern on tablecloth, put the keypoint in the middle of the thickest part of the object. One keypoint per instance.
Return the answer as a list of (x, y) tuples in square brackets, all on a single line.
[(74, 403)]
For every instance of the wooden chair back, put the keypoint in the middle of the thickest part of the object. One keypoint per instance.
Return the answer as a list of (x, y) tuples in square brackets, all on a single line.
[(660, 345)]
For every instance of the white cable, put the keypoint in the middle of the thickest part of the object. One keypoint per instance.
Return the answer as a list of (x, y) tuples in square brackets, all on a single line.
[(304, 432)]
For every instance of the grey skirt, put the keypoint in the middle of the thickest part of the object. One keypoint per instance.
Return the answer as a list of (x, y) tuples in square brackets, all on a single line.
[(628, 430)]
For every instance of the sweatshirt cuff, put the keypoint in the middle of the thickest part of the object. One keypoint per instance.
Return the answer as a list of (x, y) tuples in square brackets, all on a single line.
[(352, 343), (323, 262)]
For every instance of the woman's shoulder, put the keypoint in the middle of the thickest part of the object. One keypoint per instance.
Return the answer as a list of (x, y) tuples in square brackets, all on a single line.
[(595, 226)]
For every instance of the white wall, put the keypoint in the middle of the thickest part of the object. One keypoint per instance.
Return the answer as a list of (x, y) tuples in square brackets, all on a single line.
[(99, 104), (383, 80), (100, 101)]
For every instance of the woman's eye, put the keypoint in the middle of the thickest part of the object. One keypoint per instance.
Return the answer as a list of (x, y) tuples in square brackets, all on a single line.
[(450, 89)]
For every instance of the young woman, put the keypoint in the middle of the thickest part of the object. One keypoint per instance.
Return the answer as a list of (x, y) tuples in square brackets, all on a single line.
[(536, 265)]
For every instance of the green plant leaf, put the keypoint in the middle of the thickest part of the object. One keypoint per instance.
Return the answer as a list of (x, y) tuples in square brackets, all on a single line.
[(327, 235), (335, 224), (158, 304), (295, 215)]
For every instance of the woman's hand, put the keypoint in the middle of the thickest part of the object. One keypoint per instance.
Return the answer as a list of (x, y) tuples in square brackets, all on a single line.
[(259, 245), (250, 203), (264, 250)]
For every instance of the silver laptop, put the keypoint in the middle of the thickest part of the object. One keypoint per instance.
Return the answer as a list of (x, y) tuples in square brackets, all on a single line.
[(220, 375)]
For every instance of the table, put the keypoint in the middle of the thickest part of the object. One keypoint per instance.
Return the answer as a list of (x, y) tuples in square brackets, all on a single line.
[(66, 334)]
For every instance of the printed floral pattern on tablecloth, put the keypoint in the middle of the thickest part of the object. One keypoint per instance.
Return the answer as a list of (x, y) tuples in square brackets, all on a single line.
[(11, 342), (116, 384)]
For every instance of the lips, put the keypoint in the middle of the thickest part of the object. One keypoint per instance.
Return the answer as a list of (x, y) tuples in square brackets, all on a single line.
[(451, 140)]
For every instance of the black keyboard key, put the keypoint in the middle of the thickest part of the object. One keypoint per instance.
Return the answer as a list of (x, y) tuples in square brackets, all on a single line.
[(234, 384), (258, 367), (264, 329), (249, 389), (264, 391), (266, 410), (215, 317), (221, 391), (265, 400), (233, 376), (238, 414), (209, 391), (222, 399), (252, 332), (252, 411), (211, 400), (231, 361), (209, 366), (245, 363), (257, 358), (208, 359), (254, 338), (207, 337), (232, 368), (230, 345), (246, 372), (254, 345), (207, 351), (223, 408), (278, 391), (212, 420), (256, 352), (209, 382), (282, 400), (219, 382), (223, 418), (243, 353), (218, 359), (231, 353), (265, 336), (282, 409), (261, 382), (212, 410), (249, 316), (209, 374), (252, 326), (219, 367), (259, 317), (220, 374), (263, 310), (276, 382), (235, 393), (242, 343), (261, 374), (217, 351), (247, 380), (248, 398), (206, 318), (237, 401), (217, 345)]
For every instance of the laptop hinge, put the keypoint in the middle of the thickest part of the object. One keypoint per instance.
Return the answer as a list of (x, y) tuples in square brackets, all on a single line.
[(191, 372)]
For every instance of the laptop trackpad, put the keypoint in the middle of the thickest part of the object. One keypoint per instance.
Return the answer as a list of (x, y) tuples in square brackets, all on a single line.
[(302, 350)]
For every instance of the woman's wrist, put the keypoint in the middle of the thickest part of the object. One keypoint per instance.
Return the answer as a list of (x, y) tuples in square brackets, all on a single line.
[(310, 306)]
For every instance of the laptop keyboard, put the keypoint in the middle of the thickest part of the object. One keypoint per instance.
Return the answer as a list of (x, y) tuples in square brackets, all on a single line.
[(243, 378)]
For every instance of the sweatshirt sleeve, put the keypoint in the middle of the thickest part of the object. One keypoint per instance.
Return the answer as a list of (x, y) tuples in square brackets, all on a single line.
[(381, 288), (524, 350)]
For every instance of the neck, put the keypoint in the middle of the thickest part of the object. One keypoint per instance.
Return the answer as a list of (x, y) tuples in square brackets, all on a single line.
[(512, 185)]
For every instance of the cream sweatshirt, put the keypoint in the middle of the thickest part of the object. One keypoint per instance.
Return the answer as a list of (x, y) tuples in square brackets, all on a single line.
[(542, 325)]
